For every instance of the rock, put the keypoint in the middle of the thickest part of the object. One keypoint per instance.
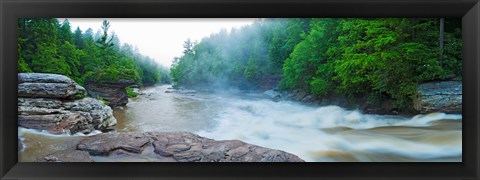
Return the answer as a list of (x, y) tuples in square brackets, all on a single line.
[(181, 91), (441, 96), (309, 99), (68, 156), (171, 91), (181, 146), (69, 116), (54, 112), (40, 85), (57, 123), (112, 92), (102, 115), (187, 91), (301, 94), (137, 91), (43, 78), (103, 144), (272, 94)]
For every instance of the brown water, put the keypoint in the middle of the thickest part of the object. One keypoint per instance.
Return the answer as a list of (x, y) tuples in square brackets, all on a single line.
[(319, 134)]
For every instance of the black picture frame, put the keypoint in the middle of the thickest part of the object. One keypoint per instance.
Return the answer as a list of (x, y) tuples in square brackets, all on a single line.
[(10, 10)]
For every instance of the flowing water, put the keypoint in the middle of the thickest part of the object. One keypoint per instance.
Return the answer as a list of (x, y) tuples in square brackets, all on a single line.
[(319, 134)]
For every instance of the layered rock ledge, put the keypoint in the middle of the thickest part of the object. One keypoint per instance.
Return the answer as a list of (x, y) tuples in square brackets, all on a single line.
[(444, 96), (172, 146), (112, 92), (57, 104)]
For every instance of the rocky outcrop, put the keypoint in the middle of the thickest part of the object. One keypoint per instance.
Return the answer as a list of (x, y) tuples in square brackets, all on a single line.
[(179, 146), (441, 96), (40, 85), (294, 95), (273, 94), (112, 92), (56, 104)]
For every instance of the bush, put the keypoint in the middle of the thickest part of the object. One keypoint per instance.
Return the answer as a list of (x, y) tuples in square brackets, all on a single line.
[(131, 93), (104, 101)]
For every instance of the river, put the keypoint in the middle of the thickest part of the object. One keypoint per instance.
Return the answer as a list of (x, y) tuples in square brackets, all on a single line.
[(315, 134)]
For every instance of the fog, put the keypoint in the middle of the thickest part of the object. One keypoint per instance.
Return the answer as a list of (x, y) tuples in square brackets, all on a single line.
[(160, 38)]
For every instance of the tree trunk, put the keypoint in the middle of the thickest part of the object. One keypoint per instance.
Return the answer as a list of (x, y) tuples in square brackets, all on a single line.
[(442, 32)]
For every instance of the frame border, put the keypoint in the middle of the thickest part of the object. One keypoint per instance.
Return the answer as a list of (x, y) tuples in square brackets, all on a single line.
[(13, 9)]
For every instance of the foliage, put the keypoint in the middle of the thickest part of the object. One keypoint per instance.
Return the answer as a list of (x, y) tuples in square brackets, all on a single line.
[(103, 101), (80, 95), (382, 58), (130, 92), (45, 45)]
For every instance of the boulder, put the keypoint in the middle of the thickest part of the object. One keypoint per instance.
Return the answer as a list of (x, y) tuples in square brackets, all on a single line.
[(41, 85), (58, 111), (138, 91), (272, 94), (103, 144), (301, 94), (112, 92), (179, 146), (69, 116), (440, 96), (309, 99)]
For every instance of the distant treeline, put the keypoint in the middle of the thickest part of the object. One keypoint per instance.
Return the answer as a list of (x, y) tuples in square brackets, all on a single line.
[(380, 59), (48, 46)]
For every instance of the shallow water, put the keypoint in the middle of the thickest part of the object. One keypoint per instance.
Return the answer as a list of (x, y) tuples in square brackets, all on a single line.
[(319, 134)]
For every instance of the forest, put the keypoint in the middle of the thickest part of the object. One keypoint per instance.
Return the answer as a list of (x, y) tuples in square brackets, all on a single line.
[(47, 46), (377, 58)]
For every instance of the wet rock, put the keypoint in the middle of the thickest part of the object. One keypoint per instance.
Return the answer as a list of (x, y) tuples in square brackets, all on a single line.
[(293, 94), (138, 91), (41, 85), (56, 111), (179, 146), (189, 147), (301, 94), (68, 156), (309, 99), (112, 92), (171, 91), (187, 91), (272, 94), (181, 91), (103, 144), (102, 115), (441, 96), (68, 116), (57, 123)]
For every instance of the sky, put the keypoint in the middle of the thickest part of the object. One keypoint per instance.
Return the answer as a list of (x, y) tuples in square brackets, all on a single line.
[(161, 39)]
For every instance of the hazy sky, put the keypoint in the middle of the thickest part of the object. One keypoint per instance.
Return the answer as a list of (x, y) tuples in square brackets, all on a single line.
[(161, 39)]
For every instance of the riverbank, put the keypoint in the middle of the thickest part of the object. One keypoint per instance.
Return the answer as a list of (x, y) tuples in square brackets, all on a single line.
[(435, 96)]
